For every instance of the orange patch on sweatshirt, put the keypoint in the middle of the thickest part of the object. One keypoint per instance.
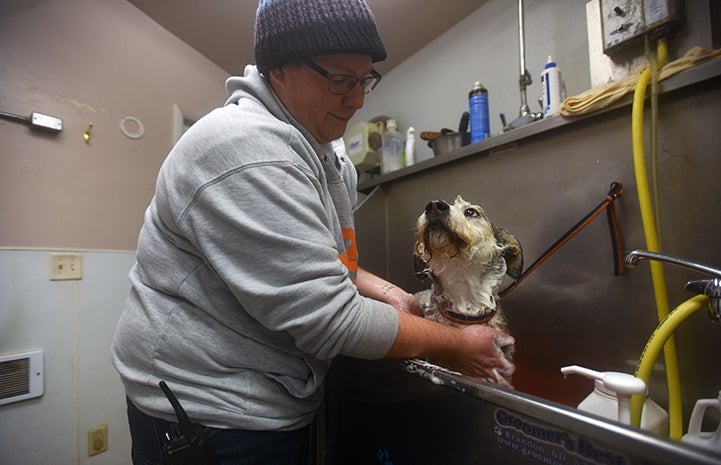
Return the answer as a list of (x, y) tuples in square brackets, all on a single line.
[(349, 257)]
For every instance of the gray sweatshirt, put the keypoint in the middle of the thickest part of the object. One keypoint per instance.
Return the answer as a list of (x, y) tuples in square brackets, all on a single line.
[(243, 287)]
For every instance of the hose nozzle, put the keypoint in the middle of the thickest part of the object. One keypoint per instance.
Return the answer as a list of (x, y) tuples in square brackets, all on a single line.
[(712, 289)]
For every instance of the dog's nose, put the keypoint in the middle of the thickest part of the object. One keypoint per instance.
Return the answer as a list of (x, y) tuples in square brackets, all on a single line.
[(437, 208)]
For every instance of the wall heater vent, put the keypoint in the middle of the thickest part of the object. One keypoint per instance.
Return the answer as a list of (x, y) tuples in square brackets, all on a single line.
[(21, 376)]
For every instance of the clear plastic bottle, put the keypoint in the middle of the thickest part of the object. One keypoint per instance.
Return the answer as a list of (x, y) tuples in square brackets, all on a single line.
[(391, 148), (478, 105)]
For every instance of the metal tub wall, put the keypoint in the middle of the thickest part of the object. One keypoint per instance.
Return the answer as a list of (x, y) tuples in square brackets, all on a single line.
[(434, 416), (572, 309)]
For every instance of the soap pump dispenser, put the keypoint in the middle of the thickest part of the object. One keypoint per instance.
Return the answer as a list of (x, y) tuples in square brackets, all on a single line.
[(611, 398)]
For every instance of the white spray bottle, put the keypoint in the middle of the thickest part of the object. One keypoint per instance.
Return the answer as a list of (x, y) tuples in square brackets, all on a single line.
[(611, 398), (553, 91)]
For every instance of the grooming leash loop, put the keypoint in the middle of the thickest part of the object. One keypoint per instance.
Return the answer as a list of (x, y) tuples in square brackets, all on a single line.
[(614, 227)]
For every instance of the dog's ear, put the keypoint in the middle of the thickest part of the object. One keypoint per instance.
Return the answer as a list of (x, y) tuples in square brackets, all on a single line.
[(420, 267), (512, 251)]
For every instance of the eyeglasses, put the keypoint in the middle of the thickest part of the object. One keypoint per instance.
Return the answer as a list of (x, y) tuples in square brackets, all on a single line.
[(341, 84)]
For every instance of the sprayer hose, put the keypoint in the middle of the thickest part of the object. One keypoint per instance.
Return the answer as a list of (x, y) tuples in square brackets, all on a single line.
[(656, 343), (652, 244)]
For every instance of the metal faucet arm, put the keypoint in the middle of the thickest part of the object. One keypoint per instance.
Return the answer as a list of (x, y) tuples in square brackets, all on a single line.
[(635, 256), (708, 287)]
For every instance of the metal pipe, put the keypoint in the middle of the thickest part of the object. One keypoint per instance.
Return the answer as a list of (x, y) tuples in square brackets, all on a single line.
[(525, 115), (521, 39), (525, 79)]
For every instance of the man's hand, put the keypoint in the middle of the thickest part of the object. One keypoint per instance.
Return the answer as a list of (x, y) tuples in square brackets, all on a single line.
[(482, 355)]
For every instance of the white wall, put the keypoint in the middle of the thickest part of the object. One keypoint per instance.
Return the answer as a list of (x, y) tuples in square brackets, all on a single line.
[(72, 322), (429, 90), (89, 61), (81, 60)]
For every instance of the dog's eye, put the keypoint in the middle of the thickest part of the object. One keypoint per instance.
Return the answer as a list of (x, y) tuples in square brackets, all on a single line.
[(471, 212)]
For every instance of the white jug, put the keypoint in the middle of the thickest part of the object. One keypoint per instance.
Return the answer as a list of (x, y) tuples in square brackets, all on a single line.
[(708, 439), (611, 398)]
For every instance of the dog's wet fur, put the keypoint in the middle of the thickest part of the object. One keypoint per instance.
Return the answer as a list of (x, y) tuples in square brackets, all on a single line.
[(466, 258)]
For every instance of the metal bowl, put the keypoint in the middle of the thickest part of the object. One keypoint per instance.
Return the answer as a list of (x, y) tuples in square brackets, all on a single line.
[(449, 142)]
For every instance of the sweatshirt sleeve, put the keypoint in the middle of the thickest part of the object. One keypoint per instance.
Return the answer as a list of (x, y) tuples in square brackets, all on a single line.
[(265, 231)]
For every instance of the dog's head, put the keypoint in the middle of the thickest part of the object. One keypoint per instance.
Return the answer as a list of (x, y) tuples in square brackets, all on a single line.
[(457, 246)]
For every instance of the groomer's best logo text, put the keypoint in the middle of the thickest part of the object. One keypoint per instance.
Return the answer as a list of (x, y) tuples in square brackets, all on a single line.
[(550, 446)]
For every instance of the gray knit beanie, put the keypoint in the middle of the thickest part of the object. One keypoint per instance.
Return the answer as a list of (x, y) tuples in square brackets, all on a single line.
[(288, 30)]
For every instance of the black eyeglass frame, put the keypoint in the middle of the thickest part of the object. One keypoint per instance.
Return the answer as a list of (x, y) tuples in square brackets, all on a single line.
[(367, 83)]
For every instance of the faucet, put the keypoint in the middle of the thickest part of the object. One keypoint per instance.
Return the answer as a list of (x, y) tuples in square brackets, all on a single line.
[(708, 287)]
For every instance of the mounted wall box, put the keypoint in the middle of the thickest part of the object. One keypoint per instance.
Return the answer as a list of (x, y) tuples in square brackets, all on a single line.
[(21, 376), (624, 23), (46, 122)]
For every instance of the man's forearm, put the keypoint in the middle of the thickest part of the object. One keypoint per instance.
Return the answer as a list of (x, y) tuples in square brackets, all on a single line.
[(421, 338), (375, 287)]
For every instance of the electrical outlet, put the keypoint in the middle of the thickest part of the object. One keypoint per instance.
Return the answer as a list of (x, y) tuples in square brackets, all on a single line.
[(97, 440), (66, 266)]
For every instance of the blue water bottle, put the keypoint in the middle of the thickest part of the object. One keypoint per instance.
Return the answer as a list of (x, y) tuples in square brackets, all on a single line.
[(478, 103)]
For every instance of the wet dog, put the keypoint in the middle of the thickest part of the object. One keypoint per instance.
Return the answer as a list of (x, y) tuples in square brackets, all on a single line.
[(466, 258)]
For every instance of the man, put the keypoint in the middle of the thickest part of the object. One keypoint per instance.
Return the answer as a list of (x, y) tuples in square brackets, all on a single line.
[(247, 282)]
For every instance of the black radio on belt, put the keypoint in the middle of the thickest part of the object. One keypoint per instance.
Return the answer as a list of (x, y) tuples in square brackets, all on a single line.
[(186, 444)]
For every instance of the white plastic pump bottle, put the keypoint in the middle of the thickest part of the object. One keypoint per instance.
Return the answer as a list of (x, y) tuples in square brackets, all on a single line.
[(611, 399)]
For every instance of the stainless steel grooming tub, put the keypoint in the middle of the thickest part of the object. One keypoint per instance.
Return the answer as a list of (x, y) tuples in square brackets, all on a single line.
[(413, 412), (537, 181)]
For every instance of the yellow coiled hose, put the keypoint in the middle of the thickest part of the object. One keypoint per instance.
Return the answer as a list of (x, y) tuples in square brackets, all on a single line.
[(652, 244)]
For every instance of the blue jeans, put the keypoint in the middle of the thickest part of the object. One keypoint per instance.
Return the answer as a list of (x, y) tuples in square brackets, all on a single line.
[(231, 446)]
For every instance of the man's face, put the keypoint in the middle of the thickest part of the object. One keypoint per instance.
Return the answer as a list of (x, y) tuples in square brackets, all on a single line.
[(305, 94)]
